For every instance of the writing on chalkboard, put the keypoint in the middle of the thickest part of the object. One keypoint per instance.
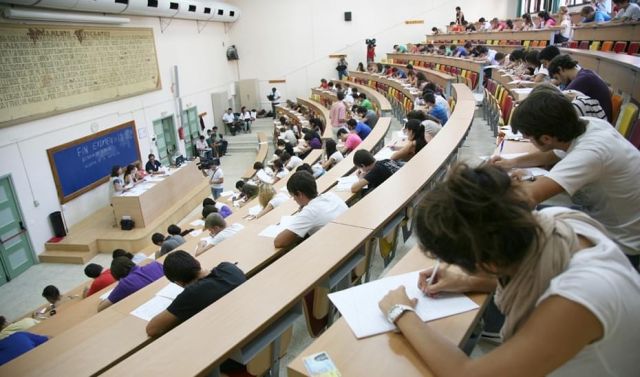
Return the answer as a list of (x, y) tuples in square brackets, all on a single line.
[(83, 164)]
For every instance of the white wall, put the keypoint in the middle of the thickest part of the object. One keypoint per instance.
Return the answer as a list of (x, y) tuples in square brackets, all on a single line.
[(292, 39), (203, 69)]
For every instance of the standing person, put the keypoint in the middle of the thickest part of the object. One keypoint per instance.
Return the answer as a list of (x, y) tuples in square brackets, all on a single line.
[(131, 278), (338, 112), (342, 68), (315, 210), (102, 278), (570, 298), (274, 97), (565, 34), (592, 163), (459, 16), (371, 52), (566, 70), (216, 180)]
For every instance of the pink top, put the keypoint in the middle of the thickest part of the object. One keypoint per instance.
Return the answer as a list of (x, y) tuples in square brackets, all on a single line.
[(352, 142), (550, 23), (338, 112)]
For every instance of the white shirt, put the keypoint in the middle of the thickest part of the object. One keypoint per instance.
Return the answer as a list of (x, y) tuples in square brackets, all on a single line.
[(602, 280), (254, 115), (265, 176), (430, 127), (541, 71), (337, 157), (440, 100), (278, 199), (225, 233), (217, 175), (282, 173), (566, 27), (316, 214), (632, 12), (348, 98), (601, 172), (294, 162), (276, 97), (246, 115), (290, 137), (201, 145), (228, 118)]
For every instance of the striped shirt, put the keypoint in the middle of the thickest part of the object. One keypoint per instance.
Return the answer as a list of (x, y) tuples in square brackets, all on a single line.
[(588, 107)]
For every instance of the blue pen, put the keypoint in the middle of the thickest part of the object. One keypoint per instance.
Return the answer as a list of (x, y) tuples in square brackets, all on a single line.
[(501, 146)]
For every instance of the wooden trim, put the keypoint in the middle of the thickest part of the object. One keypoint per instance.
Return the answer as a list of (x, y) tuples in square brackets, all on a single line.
[(338, 55), (277, 81), (414, 22), (51, 151)]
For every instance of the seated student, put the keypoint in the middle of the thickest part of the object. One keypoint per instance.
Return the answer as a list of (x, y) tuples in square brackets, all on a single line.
[(102, 278), (130, 278), (140, 172), (201, 289), (324, 84), (585, 106), (435, 109), (168, 243), (527, 23), (290, 161), (203, 148), (398, 73), (589, 14), (208, 209), (629, 11), (130, 177), (153, 166), (546, 21), (497, 25), (547, 54), (400, 49), (316, 210), (229, 120), (365, 102), (311, 141), (332, 154), (269, 199), (282, 145), (223, 209), (218, 232), (263, 174), (416, 135), (463, 51), (566, 70), (440, 99), (121, 253), (540, 73), (247, 190), (369, 117), (280, 170), (217, 142), (360, 128), (436, 31), (371, 173), (117, 183), (431, 124), (7, 328), (315, 170), (516, 60), (599, 170), (17, 344), (570, 298), (350, 140)]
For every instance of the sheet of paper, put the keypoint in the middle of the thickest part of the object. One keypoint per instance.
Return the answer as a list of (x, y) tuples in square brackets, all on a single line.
[(524, 82), (271, 231), (507, 156), (139, 257), (224, 194), (195, 233), (198, 222), (255, 210), (170, 291), (384, 154), (359, 305), (522, 90), (105, 295), (536, 172), (345, 183), (151, 308)]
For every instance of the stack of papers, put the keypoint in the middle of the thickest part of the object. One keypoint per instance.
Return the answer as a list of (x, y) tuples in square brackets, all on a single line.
[(158, 303), (197, 223), (359, 305), (273, 230), (345, 183)]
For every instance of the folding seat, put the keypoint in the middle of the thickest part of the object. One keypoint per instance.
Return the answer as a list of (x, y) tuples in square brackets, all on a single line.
[(619, 47), (628, 115), (607, 46), (633, 48), (595, 46), (584, 45)]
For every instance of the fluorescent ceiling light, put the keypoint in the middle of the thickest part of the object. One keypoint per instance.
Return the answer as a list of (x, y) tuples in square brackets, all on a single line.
[(45, 15)]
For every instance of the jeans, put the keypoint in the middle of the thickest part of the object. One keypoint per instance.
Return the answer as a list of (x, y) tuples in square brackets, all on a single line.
[(342, 73), (216, 192)]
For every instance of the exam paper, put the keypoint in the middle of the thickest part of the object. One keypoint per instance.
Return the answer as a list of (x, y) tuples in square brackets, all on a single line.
[(271, 231), (359, 305), (224, 194), (195, 233), (198, 222), (384, 154), (255, 210), (170, 291), (536, 172), (345, 183), (151, 308), (106, 294)]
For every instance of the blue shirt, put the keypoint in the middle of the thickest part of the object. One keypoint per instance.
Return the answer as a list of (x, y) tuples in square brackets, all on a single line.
[(439, 112), (18, 343), (461, 51), (599, 16), (362, 130)]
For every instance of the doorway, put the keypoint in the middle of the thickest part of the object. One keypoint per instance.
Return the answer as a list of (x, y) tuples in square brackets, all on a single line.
[(16, 253), (165, 131), (191, 124)]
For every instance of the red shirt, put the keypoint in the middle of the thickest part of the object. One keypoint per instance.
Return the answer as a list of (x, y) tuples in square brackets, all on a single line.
[(104, 280)]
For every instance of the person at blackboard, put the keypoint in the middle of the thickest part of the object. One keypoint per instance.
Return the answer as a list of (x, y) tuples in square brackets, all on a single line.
[(117, 182), (217, 179), (153, 165), (130, 178)]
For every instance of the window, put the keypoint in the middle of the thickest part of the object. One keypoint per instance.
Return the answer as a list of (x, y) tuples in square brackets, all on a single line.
[(192, 8), (173, 5), (152, 3), (534, 6)]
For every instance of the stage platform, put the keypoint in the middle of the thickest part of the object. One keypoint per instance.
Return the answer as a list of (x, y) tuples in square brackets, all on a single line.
[(97, 234)]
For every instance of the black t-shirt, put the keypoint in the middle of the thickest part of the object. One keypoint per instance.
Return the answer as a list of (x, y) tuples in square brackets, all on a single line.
[(204, 292), (381, 171), (152, 166)]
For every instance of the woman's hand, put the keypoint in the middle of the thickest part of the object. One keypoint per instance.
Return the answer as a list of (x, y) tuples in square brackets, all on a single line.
[(395, 297), (444, 281)]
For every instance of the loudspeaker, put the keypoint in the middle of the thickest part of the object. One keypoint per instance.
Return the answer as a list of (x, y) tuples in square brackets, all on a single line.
[(347, 16), (57, 223)]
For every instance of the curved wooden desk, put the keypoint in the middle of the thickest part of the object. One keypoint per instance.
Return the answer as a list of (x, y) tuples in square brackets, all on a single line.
[(507, 35), (627, 31)]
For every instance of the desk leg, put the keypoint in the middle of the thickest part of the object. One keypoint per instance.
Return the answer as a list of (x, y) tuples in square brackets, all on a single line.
[(215, 372), (275, 357)]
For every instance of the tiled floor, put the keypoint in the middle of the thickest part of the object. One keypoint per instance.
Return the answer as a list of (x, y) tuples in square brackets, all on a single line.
[(23, 293)]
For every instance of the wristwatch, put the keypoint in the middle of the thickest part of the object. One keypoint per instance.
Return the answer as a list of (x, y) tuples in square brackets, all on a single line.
[(396, 311)]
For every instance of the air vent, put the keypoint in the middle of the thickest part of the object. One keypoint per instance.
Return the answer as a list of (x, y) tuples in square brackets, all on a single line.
[(232, 13), (152, 3), (207, 10), (220, 12), (173, 5), (125, 2), (192, 8)]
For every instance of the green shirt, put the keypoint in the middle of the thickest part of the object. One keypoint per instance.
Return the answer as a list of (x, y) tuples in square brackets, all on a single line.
[(366, 104)]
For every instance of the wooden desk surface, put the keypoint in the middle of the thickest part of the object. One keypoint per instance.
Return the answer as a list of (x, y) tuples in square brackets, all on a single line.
[(467, 64), (627, 31), (322, 112), (376, 208), (388, 354), (245, 311), (377, 99), (439, 78), (540, 35)]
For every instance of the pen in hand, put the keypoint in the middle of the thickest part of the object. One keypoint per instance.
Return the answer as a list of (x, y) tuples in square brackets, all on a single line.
[(433, 273)]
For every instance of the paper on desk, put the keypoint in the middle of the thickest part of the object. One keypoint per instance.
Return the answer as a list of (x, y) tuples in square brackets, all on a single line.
[(271, 231), (139, 257), (515, 82), (492, 66), (106, 294), (522, 90), (224, 194), (151, 308), (506, 156), (384, 154), (255, 210), (359, 305), (536, 172), (170, 291), (345, 183), (195, 233), (198, 222)]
